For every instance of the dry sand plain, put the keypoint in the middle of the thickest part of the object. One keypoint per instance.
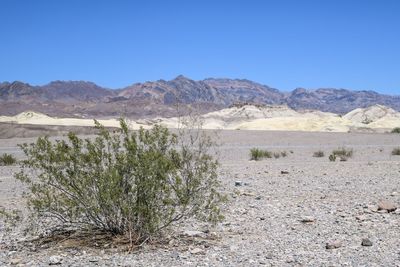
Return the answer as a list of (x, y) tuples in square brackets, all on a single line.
[(272, 218)]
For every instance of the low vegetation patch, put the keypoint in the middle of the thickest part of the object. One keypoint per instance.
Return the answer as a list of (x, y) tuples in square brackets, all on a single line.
[(126, 183), (396, 130), (259, 154), (342, 153), (332, 157), (396, 151), (319, 154), (7, 159)]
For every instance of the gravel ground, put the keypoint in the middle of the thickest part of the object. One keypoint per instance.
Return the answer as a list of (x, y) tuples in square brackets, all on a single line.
[(281, 212)]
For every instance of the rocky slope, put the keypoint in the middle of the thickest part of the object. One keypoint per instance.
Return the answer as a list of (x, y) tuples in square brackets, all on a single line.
[(168, 98)]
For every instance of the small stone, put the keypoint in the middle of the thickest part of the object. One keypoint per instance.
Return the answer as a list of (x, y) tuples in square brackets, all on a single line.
[(269, 256), (361, 218), (239, 183), (386, 205), (366, 242), (196, 251), (373, 208), (248, 194), (15, 261), (55, 260), (190, 233), (333, 244), (307, 219)]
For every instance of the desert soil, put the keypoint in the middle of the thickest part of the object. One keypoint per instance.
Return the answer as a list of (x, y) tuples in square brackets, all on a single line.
[(280, 212)]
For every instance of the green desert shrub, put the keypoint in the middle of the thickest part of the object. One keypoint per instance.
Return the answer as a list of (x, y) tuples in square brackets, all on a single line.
[(396, 130), (343, 152), (258, 154), (396, 151), (133, 183), (7, 159), (332, 157), (319, 154)]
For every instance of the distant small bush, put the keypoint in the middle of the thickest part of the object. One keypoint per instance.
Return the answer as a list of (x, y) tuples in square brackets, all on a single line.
[(7, 159), (396, 130), (258, 154), (396, 151), (343, 152), (332, 157), (319, 154)]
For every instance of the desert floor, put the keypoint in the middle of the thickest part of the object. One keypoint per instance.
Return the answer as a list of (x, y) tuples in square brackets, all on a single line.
[(272, 218)]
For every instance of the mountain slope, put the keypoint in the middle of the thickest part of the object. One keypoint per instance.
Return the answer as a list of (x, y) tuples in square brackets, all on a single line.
[(339, 100), (152, 99)]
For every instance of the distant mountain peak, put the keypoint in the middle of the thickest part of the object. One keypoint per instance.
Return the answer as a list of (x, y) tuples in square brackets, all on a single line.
[(155, 98)]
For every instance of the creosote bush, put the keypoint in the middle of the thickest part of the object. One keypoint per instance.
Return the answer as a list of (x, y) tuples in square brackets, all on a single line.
[(396, 151), (343, 152), (396, 130), (131, 183), (258, 154), (319, 154), (7, 159)]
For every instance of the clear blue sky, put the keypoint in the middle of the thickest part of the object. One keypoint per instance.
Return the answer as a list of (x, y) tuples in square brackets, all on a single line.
[(285, 44)]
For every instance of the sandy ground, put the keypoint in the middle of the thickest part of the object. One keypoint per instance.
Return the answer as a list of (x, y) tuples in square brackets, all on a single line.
[(263, 225)]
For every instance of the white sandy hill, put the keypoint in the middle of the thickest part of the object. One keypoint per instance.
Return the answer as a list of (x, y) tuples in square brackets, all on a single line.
[(283, 118), (248, 117), (31, 117), (276, 118), (376, 116)]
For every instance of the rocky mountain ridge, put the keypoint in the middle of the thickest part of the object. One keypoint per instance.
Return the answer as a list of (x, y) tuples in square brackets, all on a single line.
[(167, 98)]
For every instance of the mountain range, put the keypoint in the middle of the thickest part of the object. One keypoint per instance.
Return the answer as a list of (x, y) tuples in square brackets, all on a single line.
[(167, 98)]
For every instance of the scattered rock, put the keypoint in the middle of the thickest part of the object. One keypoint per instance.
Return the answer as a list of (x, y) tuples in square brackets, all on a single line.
[(307, 219), (366, 242), (386, 205), (190, 233), (361, 218), (248, 194), (239, 183), (15, 261), (373, 208), (333, 244), (196, 251), (55, 260), (269, 256)]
